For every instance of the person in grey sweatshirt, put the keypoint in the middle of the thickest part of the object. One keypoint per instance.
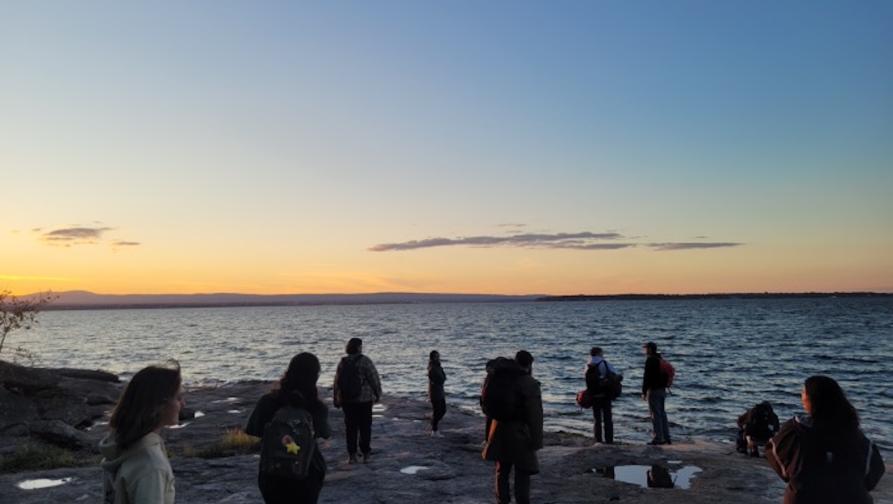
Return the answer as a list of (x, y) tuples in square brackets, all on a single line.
[(135, 465)]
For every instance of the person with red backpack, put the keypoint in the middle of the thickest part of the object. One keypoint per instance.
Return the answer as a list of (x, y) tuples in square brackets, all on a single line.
[(657, 379)]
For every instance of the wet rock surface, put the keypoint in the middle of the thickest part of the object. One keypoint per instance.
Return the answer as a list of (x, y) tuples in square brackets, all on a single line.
[(408, 465)]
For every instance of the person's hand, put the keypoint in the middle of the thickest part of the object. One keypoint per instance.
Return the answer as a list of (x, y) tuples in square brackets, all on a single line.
[(644, 397)]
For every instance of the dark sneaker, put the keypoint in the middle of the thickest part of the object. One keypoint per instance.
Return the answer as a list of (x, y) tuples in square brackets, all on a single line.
[(352, 458), (366, 457)]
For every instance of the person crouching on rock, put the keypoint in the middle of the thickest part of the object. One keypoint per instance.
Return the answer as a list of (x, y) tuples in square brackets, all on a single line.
[(515, 403), (289, 419), (436, 379), (357, 387), (135, 465)]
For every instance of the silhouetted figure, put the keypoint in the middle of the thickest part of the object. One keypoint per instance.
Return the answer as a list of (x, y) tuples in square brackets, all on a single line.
[(516, 431), (756, 427), (654, 391), (824, 456), (659, 477), (293, 401), (135, 464), (436, 379), (599, 386), (357, 388)]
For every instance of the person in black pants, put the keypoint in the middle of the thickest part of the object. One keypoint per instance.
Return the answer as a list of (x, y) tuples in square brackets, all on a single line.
[(357, 387), (436, 379), (596, 372), (296, 388)]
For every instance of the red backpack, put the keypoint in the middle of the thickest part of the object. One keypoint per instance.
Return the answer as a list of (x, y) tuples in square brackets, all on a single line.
[(668, 371)]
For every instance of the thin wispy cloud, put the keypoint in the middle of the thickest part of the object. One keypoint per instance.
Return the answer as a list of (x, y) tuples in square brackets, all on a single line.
[(692, 245), (584, 240), (543, 240), (76, 234)]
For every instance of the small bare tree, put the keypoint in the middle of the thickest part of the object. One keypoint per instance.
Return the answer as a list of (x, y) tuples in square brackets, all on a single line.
[(19, 313)]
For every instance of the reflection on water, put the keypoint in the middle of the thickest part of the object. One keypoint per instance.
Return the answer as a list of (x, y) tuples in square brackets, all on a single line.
[(413, 469), (714, 345), (653, 476), (36, 484)]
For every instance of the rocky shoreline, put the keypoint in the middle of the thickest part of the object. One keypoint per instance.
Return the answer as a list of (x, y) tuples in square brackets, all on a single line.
[(68, 408)]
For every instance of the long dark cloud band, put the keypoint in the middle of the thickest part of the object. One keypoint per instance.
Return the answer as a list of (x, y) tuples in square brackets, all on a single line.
[(573, 240), (569, 241)]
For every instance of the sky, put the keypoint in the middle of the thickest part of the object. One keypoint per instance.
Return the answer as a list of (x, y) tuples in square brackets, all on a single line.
[(478, 147)]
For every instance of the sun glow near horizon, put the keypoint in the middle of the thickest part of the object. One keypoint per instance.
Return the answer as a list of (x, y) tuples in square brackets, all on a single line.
[(598, 149)]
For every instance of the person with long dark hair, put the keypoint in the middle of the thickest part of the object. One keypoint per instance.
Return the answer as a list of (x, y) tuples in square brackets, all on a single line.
[(135, 465), (436, 379), (296, 389), (357, 387), (824, 456)]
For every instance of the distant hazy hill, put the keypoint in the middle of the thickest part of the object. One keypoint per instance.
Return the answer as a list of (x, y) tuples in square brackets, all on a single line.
[(85, 299)]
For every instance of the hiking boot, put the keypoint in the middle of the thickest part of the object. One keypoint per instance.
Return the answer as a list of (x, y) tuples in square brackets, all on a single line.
[(352, 458), (366, 458)]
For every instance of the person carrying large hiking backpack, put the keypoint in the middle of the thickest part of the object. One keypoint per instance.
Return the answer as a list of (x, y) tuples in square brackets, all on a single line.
[(357, 388), (603, 385), (512, 399), (288, 420)]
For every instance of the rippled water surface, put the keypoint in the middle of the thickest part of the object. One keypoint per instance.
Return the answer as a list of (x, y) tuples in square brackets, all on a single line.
[(729, 354)]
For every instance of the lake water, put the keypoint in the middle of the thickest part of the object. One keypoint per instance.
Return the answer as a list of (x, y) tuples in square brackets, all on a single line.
[(729, 354)]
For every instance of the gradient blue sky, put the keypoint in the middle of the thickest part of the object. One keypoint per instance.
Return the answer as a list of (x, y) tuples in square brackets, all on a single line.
[(266, 147)]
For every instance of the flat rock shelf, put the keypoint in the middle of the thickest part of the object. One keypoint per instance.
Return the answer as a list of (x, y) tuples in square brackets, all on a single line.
[(408, 465)]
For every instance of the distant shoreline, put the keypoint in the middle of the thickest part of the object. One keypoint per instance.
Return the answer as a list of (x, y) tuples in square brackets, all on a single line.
[(738, 295), (88, 301)]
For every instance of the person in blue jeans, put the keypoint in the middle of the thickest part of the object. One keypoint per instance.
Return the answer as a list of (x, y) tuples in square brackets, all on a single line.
[(597, 370), (654, 390)]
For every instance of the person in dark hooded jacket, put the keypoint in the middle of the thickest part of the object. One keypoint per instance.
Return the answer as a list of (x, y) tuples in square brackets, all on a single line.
[(755, 427), (513, 443), (436, 379), (297, 388), (824, 457)]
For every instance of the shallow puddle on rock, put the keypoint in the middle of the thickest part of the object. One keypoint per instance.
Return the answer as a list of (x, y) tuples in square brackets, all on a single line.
[(199, 414), (37, 484), (653, 476), (234, 411), (413, 469)]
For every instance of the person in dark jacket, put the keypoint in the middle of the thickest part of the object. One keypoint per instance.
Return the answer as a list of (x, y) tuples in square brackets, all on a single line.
[(824, 456), (513, 443), (436, 379), (357, 388), (654, 390), (296, 388), (596, 371), (755, 427)]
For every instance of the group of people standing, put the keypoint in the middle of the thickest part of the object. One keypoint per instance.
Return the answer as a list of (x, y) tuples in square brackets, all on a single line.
[(824, 456), (603, 387)]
